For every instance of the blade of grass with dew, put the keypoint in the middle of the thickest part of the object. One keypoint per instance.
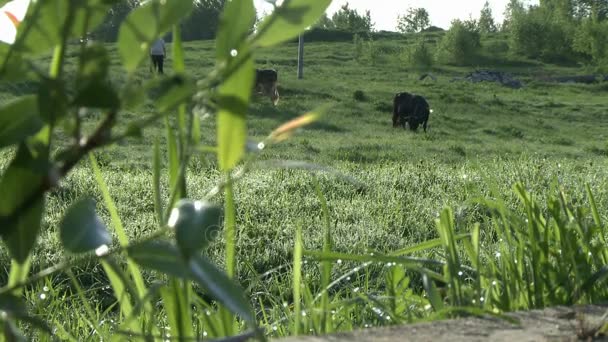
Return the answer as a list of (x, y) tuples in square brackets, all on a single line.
[(177, 308), (230, 240), (85, 302), (297, 279), (158, 207), (325, 265), (173, 157), (123, 239)]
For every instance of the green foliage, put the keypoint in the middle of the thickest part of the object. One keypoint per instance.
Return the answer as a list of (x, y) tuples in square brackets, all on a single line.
[(61, 98), (485, 22), (146, 23), (81, 230), (381, 258), (419, 55), (348, 19), (590, 39), (416, 20), (537, 34), (460, 45)]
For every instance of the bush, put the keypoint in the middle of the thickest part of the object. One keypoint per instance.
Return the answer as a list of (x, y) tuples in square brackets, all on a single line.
[(496, 47), (536, 34), (460, 45), (359, 95), (590, 39), (418, 55)]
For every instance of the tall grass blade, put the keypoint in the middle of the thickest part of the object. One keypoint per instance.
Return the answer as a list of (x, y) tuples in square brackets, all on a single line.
[(325, 265), (177, 308), (156, 165), (297, 280), (134, 270)]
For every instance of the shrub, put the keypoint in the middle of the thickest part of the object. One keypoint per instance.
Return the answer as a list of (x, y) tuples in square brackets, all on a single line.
[(590, 39), (536, 34), (359, 95), (460, 45), (418, 55)]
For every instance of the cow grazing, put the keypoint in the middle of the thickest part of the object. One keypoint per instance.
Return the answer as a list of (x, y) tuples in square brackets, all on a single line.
[(266, 84), (411, 109)]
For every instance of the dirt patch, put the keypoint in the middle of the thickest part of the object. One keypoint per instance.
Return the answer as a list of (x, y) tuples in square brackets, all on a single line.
[(552, 324)]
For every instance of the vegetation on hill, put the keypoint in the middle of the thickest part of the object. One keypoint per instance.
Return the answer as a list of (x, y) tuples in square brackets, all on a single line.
[(220, 218)]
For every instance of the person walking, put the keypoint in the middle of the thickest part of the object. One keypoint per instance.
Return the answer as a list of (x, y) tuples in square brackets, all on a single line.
[(157, 54)]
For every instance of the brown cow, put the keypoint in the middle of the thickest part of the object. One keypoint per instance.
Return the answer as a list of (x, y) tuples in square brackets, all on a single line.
[(266, 84)]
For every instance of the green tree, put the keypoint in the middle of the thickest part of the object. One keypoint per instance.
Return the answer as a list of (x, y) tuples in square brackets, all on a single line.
[(416, 20), (514, 9), (108, 30), (486, 20), (325, 22), (348, 19), (590, 40), (203, 22), (460, 45)]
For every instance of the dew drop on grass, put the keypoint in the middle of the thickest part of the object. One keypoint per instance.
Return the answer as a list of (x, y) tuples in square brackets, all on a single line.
[(339, 261), (303, 313), (460, 273), (204, 334), (274, 327), (233, 53), (498, 254), (42, 296), (102, 250), (481, 299), (493, 282), (45, 289), (285, 304), (173, 217)]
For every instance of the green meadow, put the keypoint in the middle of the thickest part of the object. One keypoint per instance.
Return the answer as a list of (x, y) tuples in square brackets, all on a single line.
[(352, 179)]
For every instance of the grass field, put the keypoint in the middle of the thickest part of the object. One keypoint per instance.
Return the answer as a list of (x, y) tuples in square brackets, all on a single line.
[(385, 187)]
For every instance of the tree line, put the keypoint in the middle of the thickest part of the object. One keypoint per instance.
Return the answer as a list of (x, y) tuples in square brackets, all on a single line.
[(552, 30), (202, 23)]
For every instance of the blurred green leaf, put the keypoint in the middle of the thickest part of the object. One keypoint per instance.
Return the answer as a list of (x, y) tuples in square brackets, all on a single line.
[(160, 256), (146, 23), (14, 67), (81, 230), (11, 304), (432, 292), (94, 64), (231, 122), (165, 257), (21, 179), (99, 94), (196, 223), (18, 119), (168, 93), (43, 26), (132, 96), (236, 21), (221, 287), (288, 20), (52, 100)]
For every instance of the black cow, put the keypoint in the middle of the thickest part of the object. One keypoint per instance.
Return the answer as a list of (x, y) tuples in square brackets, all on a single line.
[(411, 109), (266, 84)]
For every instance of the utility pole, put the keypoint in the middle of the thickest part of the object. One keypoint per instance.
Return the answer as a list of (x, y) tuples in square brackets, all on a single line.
[(300, 56)]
